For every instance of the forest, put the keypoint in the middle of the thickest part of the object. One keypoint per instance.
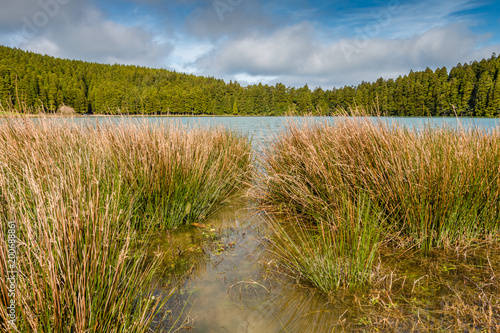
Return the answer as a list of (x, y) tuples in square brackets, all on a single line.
[(31, 82)]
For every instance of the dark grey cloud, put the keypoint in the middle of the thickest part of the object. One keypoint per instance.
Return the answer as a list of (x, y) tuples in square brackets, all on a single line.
[(34, 15), (12, 12)]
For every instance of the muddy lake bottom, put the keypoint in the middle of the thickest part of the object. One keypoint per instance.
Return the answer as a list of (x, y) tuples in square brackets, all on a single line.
[(227, 280)]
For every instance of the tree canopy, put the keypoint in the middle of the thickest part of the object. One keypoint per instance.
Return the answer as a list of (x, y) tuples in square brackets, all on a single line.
[(30, 81)]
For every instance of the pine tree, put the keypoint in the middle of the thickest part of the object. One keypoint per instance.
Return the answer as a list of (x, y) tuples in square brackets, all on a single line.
[(235, 108), (30, 81), (494, 102), (483, 90)]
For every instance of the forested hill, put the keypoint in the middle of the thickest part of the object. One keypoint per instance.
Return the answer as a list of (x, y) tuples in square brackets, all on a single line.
[(30, 81)]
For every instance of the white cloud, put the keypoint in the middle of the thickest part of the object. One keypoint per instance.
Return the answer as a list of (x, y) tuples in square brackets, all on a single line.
[(262, 54), (185, 52), (296, 56), (246, 79), (44, 46)]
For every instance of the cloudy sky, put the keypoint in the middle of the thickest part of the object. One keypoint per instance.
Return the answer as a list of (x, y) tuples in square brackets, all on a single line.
[(296, 42)]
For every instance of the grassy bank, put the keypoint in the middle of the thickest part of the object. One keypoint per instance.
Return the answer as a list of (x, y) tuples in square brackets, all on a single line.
[(336, 193), (80, 195)]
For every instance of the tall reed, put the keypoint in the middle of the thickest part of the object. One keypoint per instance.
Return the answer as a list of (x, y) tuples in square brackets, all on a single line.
[(179, 174), (431, 187), (78, 194)]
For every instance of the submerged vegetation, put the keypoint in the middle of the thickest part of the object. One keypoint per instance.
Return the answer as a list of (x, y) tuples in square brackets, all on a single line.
[(31, 82), (330, 256), (79, 197), (337, 193)]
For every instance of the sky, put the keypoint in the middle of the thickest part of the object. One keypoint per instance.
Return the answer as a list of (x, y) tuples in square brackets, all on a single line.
[(319, 43)]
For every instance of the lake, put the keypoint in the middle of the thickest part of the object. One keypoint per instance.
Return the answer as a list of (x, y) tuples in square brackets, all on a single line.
[(261, 129)]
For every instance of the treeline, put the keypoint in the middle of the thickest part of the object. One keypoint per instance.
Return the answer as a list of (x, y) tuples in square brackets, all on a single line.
[(30, 82)]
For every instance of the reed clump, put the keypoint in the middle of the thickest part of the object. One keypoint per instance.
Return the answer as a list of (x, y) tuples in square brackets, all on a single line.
[(330, 256), (78, 195), (426, 188)]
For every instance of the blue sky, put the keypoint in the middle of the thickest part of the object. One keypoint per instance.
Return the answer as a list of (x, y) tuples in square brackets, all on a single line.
[(297, 42)]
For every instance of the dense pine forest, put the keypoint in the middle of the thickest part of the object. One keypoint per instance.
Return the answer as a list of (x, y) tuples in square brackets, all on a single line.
[(32, 82)]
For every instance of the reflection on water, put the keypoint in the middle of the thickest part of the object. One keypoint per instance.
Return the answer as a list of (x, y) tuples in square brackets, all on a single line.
[(229, 289), (225, 285)]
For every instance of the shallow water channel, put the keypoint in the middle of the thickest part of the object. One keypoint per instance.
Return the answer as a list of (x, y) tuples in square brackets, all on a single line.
[(226, 281), (225, 284)]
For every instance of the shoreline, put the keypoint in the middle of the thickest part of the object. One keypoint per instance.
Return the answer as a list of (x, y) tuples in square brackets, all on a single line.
[(51, 115)]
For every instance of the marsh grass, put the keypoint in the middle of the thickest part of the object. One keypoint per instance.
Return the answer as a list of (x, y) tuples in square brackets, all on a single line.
[(441, 291), (81, 196), (182, 174), (424, 189), (330, 254)]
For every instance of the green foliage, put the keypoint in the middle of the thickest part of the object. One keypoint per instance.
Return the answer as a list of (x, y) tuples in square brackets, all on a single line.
[(78, 271), (331, 254), (31, 82)]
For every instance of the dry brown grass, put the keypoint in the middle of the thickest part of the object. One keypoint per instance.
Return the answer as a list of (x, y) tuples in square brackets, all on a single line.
[(437, 186), (340, 196), (79, 193)]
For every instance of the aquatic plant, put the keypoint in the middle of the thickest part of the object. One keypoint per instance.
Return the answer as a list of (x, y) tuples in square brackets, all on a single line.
[(429, 188), (77, 195), (330, 254)]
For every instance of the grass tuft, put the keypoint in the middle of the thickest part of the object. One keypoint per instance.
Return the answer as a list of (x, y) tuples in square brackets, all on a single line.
[(427, 188), (80, 193)]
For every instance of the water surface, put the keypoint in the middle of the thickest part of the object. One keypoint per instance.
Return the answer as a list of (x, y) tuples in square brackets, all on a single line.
[(262, 129)]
